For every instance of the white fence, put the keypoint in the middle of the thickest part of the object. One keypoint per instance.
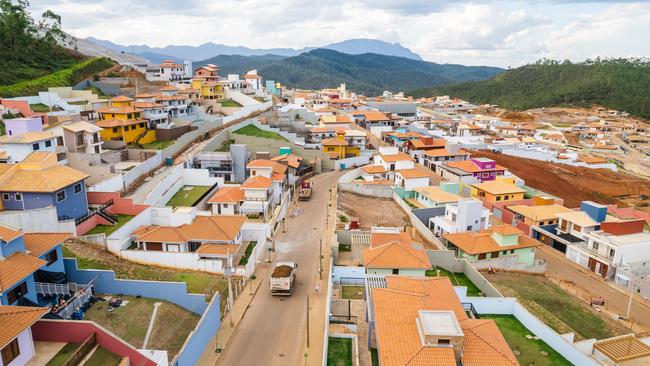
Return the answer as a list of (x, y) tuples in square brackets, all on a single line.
[(419, 226), (367, 189), (142, 169), (511, 262), (189, 261), (42, 220), (112, 184), (95, 239), (352, 162), (348, 177)]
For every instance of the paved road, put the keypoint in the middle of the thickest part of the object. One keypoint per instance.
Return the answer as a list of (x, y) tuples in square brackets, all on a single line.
[(273, 331), (586, 281)]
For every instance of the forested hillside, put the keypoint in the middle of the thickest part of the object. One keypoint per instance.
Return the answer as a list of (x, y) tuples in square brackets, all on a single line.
[(622, 84)]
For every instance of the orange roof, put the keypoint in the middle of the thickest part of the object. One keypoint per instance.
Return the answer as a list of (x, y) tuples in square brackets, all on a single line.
[(168, 88), (444, 152), (16, 267), (8, 234), (144, 96), (379, 239), (322, 129), (398, 309), (372, 116), (376, 182), (41, 243), (121, 98), (413, 173), (396, 255), (334, 141), (395, 157), (203, 228), (251, 76), (419, 144), (261, 163), (227, 195), (483, 242), (591, 159), (120, 110), (257, 181), (217, 249), (373, 169), (291, 159), (15, 319)]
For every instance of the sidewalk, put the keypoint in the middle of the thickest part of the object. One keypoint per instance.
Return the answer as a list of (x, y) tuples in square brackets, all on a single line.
[(240, 306)]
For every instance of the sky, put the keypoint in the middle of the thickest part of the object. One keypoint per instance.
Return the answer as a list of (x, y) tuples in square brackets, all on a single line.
[(495, 33)]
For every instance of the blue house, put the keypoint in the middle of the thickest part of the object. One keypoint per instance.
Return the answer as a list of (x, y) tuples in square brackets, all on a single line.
[(40, 181), (25, 256)]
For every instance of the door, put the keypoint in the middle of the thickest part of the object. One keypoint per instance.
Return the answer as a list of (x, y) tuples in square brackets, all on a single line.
[(592, 264)]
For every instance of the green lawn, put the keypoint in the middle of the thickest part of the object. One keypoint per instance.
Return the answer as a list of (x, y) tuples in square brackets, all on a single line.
[(352, 292), (187, 196), (528, 351), (457, 279), (374, 357), (158, 145), (102, 357), (63, 354), (339, 351), (230, 103), (108, 229), (39, 107), (252, 130), (249, 249)]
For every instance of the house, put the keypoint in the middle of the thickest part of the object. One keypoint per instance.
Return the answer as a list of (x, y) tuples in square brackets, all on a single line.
[(356, 138), (536, 215), (273, 170), (371, 173), (18, 147), (410, 179), (227, 200), (423, 143), (433, 158), (371, 118), (434, 196), (338, 148), (253, 80), (258, 197), (155, 113), (208, 88), (497, 191), (318, 134), (421, 321), (174, 103), (168, 70), (466, 215), (121, 121), (468, 171), (337, 121), (502, 241), (396, 258), (296, 166), (208, 72), (18, 126), (82, 137), (16, 339), (208, 231), (39, 181), (392, 160), (572, 227)]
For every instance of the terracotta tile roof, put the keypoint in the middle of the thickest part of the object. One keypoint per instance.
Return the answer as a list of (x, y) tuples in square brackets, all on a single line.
[(372, 116), (81, 126), (436, 194), (376, 182), (541, 212), (261, 163), (444, 152), (482, 242), (484, 344), (26, 138), (395, 255), (203, 228), (15, 319), (579, 218), (8, 234), (121, 98), (496, 187), (379, 239), (16, 267), (292, 160), (413, 173), (144, 96), (334, 141), (395, 157), (227, 195), (217, 249), (322, 129), (419, 144), (257, 181), (373, 169), (168, 88), (118, 110), (146, 105), (39, 172), (41, 243), (591, 159)]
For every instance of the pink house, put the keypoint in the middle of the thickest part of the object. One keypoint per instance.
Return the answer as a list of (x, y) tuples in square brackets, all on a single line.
[(481, 169), (23, 107)]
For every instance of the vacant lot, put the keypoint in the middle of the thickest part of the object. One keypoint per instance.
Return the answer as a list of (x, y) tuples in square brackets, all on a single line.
[(188, 195), (556, 307), (339, 352), (372, 211), (252, 130), (109, 229), (158, 145), (172, 326), (352, 292)]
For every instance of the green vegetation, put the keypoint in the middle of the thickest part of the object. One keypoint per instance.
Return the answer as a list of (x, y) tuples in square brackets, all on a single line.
[(188, 195), (158, 145), (225, 146), (622, 84), (339, 351), (528, 351), (68, 76), (343, 218), (374, 357), (109, 229), (63, 354), (252, 130), (368, 73), (172, 326), (352, 292), (249, 249), (3, 129), (102, 357), (230, 103), (457, 279), (39, 107), (345, 247), (100, 94)]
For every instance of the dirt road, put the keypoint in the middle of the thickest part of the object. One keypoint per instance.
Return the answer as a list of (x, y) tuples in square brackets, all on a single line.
[(273, 331)]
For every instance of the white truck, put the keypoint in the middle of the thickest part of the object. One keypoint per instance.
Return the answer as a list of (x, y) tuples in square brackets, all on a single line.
[(282, 278)]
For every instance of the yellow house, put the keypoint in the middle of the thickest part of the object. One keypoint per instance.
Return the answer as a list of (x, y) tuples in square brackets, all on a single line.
[(123, 122), (497, 191), (338, 148), (208, 89)]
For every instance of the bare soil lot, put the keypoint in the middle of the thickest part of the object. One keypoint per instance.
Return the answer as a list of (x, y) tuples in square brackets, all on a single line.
[(372, 211)]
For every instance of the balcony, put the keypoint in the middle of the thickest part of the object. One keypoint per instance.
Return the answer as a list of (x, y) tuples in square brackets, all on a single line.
[(595, 253)]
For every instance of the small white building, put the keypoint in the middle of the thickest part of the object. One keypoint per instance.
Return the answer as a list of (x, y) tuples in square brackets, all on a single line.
[(18, 147), (465, 215)]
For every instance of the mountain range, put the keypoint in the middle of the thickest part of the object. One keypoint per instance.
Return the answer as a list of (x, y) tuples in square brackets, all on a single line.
[(368, 73), (207, 50)]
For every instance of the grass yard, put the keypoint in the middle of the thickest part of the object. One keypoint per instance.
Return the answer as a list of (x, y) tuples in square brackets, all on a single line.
[(39, 107), (557, 308), (188, 195), (63, 354), (528, 351), (172, 326), (252, 130), (108, 229), (230, 103), (102, 357), (249, 249), (158, 145), (457, 279), (339, 351), (352, 292)]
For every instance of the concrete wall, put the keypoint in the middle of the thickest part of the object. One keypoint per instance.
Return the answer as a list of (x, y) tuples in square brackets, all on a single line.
[(367, 190), (180, 261), (140, 171), (200, 337), (415, 221), (352, 162), (347, 272), (106, 283), (124, 206), (447, 260), (37, 220)]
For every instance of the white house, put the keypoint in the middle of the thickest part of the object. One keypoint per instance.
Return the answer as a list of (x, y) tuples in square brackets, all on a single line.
[(253, 80), (227, 200), (413, 178), (258, 195), (465, 215), (18, 147), (392, 160)]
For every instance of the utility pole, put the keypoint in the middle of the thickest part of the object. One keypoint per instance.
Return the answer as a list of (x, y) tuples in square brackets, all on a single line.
[(320, 259), (307, 321)]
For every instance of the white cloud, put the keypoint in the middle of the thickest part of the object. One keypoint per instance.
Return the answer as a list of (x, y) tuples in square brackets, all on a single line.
[(502, 33)]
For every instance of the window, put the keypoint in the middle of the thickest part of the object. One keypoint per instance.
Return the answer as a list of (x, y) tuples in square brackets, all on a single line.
[(77, 188), (18, 197), (498, 198), (504, 252), (114, 129), (60, 196), (48, 143), (59, 140), (482, 256), (17, 292), (469, 228), (10, 352), (506, 198), (36, 146), (5, 196), (612, 252), (512, 251), (395, 271), (594, 246), (51, 257), (494, 255), (444, 341)]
